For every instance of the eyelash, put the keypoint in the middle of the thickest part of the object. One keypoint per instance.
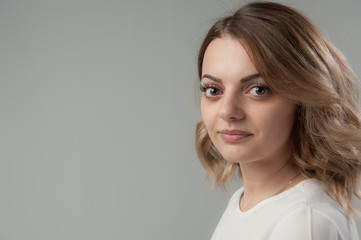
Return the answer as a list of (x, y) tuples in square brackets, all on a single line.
[(208, 86), (260, 86), (205, 87)]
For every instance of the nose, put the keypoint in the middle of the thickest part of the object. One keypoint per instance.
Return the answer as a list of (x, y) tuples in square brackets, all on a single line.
[(231, 108)]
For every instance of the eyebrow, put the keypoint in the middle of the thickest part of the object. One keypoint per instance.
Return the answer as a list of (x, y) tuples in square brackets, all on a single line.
[(243, 80)]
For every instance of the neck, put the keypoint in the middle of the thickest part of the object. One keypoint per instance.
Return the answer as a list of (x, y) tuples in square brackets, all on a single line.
[(266, 179)]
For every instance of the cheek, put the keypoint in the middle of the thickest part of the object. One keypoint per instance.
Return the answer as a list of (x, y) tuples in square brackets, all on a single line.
[(209, 116), (283, 126), (276, 122), (208, 113)]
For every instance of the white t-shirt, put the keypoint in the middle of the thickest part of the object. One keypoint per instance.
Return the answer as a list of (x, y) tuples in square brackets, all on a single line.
[(304, 212)]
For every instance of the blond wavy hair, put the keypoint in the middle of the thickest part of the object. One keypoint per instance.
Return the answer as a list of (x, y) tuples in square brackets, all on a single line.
[(300, 64)]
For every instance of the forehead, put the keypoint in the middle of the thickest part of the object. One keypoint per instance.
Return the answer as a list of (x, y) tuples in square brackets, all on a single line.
[(226, 57)]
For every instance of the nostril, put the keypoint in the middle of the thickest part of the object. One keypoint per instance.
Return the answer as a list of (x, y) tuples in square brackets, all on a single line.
[(232, 118)]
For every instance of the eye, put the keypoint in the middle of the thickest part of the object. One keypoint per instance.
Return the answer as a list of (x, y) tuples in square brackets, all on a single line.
[(210, 91), (259, 90)]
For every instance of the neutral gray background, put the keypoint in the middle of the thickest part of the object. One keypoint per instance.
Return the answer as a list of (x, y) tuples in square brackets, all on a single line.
[(98, 111)]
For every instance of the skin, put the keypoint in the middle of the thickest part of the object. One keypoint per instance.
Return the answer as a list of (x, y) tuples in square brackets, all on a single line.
[(236, 98)]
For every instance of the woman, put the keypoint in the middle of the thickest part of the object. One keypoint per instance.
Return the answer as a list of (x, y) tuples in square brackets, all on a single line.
[(280, 108)]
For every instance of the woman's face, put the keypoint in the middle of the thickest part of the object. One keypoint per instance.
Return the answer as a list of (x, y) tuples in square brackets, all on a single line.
[(245, 120)]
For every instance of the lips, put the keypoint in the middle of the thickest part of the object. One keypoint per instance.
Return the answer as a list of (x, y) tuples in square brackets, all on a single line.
[(234, 135)]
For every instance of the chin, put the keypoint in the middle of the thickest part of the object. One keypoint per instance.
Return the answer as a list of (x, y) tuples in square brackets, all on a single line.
[(235, 152), (234, 156)]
